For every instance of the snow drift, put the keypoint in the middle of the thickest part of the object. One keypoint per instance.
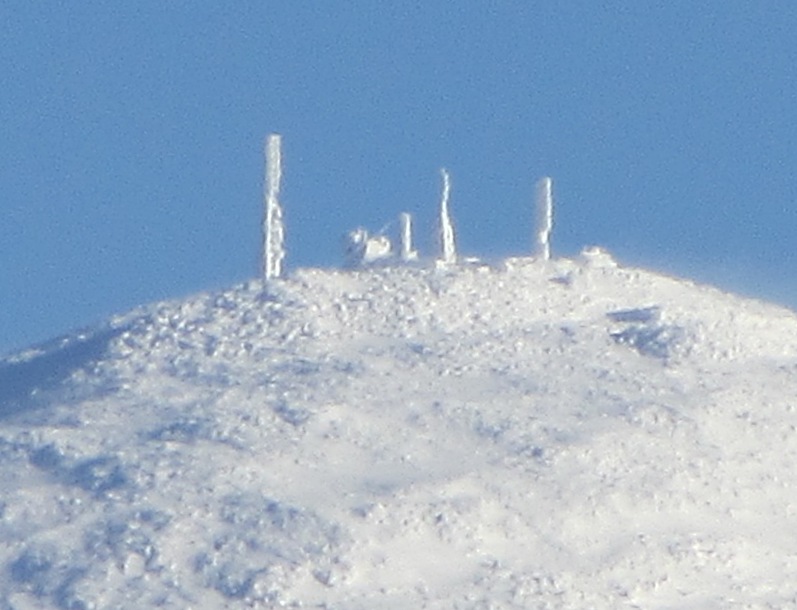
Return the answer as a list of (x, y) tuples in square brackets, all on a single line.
[(535, 434)]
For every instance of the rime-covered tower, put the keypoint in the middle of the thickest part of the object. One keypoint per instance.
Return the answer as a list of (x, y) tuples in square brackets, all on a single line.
[(406, 252), (544, 224), (273, 227), (448, 248)]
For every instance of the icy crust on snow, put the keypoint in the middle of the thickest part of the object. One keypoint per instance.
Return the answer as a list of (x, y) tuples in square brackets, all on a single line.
[(536, 434)]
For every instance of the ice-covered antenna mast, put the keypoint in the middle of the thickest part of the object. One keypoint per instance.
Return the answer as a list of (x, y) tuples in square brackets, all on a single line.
[(544, 204), (447, 246), (407, 253), (273, 228)]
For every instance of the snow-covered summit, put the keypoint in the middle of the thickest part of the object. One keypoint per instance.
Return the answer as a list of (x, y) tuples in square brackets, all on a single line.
[(531, 434)]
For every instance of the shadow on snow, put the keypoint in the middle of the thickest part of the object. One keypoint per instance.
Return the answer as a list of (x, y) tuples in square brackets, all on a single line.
[(23, 375)]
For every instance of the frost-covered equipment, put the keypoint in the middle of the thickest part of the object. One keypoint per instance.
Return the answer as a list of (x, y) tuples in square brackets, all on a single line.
[(544, 221), (273, 227), (407, 253), (360, 248), (448, 249)]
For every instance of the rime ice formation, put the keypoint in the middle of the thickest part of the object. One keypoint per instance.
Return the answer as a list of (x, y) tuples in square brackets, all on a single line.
[(448, 249), (407, 254), (273, 228), (360, 248), (544, 224), (568, 435)]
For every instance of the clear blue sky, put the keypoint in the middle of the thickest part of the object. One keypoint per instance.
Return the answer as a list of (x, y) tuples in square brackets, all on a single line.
[(131, 161)]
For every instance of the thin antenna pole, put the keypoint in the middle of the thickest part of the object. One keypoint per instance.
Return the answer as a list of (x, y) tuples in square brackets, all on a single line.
[(447, 245), (273, 228), (544, 205)]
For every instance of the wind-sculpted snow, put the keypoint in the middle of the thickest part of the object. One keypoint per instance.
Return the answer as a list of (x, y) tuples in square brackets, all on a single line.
[(644, 330), (535, 434), (25, 376)]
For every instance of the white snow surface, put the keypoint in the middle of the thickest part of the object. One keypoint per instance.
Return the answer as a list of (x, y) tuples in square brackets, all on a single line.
[(561, 434)]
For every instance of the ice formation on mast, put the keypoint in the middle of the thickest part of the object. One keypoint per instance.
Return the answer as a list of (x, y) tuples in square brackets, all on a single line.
[(544, 224), (407, 253), (447, 245), (273, 227)]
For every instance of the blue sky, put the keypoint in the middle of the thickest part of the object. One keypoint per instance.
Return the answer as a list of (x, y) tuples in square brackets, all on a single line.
[(131, 164)]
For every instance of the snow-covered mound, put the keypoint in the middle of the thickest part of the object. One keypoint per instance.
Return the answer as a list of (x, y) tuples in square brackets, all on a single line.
[(538, 434)]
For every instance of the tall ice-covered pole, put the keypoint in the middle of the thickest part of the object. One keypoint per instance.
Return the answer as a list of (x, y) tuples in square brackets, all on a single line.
[(447, 246), (273, 227), (407, 253), (544, 224)]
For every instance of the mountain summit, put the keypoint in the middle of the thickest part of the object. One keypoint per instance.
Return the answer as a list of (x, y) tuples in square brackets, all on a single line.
[(532, 434)]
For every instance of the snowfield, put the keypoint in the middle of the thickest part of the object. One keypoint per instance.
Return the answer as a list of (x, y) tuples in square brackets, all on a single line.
[(563, 434)]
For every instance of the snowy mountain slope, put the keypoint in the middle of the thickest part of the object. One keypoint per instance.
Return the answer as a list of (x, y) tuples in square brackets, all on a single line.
[(537, 434)]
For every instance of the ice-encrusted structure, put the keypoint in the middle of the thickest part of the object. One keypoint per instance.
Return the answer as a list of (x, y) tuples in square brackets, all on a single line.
[(360, 248), (273, 226), (544, 224), (448, 247), (406, 251), (574, 434)]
